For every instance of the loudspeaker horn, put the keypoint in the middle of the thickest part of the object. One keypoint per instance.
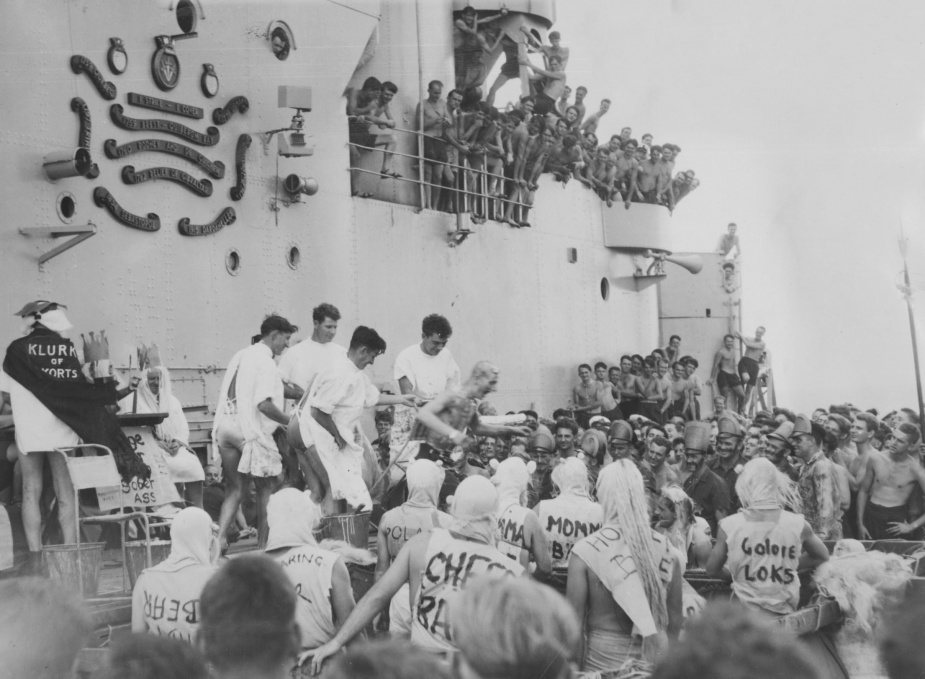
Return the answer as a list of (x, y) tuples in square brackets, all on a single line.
[(693, 263)]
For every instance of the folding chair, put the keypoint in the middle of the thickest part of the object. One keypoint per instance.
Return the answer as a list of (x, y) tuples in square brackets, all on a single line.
[(99, 471)]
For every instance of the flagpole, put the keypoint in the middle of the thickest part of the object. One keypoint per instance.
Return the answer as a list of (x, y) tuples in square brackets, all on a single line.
[(907, 293)]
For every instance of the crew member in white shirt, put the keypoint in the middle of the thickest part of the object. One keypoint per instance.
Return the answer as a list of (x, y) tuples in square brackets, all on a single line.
[(426, 370), (250, 410), (298, 368)]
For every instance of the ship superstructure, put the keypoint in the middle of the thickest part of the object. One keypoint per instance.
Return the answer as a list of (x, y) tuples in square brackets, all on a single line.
[(194, 158)]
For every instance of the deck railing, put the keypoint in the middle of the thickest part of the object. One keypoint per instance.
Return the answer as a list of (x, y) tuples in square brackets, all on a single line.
[(470, 189)]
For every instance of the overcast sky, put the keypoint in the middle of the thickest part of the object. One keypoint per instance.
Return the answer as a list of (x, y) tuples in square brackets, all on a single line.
[(805, 122)]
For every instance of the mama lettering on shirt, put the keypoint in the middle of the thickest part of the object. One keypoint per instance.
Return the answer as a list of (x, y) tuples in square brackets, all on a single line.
[(769, 571)]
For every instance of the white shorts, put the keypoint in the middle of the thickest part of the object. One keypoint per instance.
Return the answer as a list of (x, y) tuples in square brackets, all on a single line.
[(184, 467)]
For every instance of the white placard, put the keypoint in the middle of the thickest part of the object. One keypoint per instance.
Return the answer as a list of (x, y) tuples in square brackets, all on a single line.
[(155, 491)]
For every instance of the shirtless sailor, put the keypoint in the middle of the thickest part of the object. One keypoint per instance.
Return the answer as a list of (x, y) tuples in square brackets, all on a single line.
[(587, 396), (626, 610), (886, 488), (724, 373), (749, 364)]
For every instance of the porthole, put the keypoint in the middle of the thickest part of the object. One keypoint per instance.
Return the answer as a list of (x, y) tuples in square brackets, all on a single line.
[(233, 262), (186, 16), (605, 289), (282, 41), (66, 207), (293, 257)]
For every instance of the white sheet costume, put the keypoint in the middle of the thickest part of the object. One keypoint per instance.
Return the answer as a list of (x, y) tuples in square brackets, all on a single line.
[(184, 466), (343, 392), (238, 422)]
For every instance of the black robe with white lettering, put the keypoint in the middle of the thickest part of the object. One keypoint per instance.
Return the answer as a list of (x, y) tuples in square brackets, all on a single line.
[(46, 364)]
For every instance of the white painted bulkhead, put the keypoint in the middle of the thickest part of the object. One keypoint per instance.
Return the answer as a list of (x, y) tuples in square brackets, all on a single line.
[(512, 296)]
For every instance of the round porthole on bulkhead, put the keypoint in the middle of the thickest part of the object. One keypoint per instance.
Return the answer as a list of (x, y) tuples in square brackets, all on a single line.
[(233, 262)]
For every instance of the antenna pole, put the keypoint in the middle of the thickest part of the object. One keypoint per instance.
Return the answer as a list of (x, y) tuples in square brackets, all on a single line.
[(907, 293)]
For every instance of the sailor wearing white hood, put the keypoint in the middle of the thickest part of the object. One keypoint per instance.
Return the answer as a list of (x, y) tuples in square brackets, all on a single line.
[(419, 514), (764, 545), (320, 577), (436, 567), (165, 600), (520, 535), (572, 515)]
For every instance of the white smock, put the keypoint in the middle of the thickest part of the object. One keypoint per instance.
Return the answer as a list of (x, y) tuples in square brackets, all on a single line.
[(343, 392)]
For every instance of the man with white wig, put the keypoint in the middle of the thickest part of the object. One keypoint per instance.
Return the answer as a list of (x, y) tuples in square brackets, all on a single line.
[(165, 600), (418, 514), (763, 546), (436, 566), (623, 581), (155, 395), (320, 576), (520, 535), (572, 515)]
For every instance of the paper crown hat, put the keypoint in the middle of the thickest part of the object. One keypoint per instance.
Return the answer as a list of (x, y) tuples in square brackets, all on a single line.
[(97, 349), (697, 436)]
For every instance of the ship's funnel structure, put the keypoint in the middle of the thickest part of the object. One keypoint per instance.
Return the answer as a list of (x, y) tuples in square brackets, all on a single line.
[(295, 186), (67, 163)]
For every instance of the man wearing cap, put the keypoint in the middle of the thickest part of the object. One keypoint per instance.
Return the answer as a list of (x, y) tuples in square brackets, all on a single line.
[(435, 566), (818, 484), (777, 448), (54, 406), (600, 423), (620, 445), (542, 449), (706, 489), (887, 487), (728, 461)]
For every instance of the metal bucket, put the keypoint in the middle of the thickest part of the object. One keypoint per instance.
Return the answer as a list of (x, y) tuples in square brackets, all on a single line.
[(63, 566), (351, 528), (135, 560)]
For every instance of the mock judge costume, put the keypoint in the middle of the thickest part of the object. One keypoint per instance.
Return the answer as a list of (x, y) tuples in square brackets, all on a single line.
[(45, 364)]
